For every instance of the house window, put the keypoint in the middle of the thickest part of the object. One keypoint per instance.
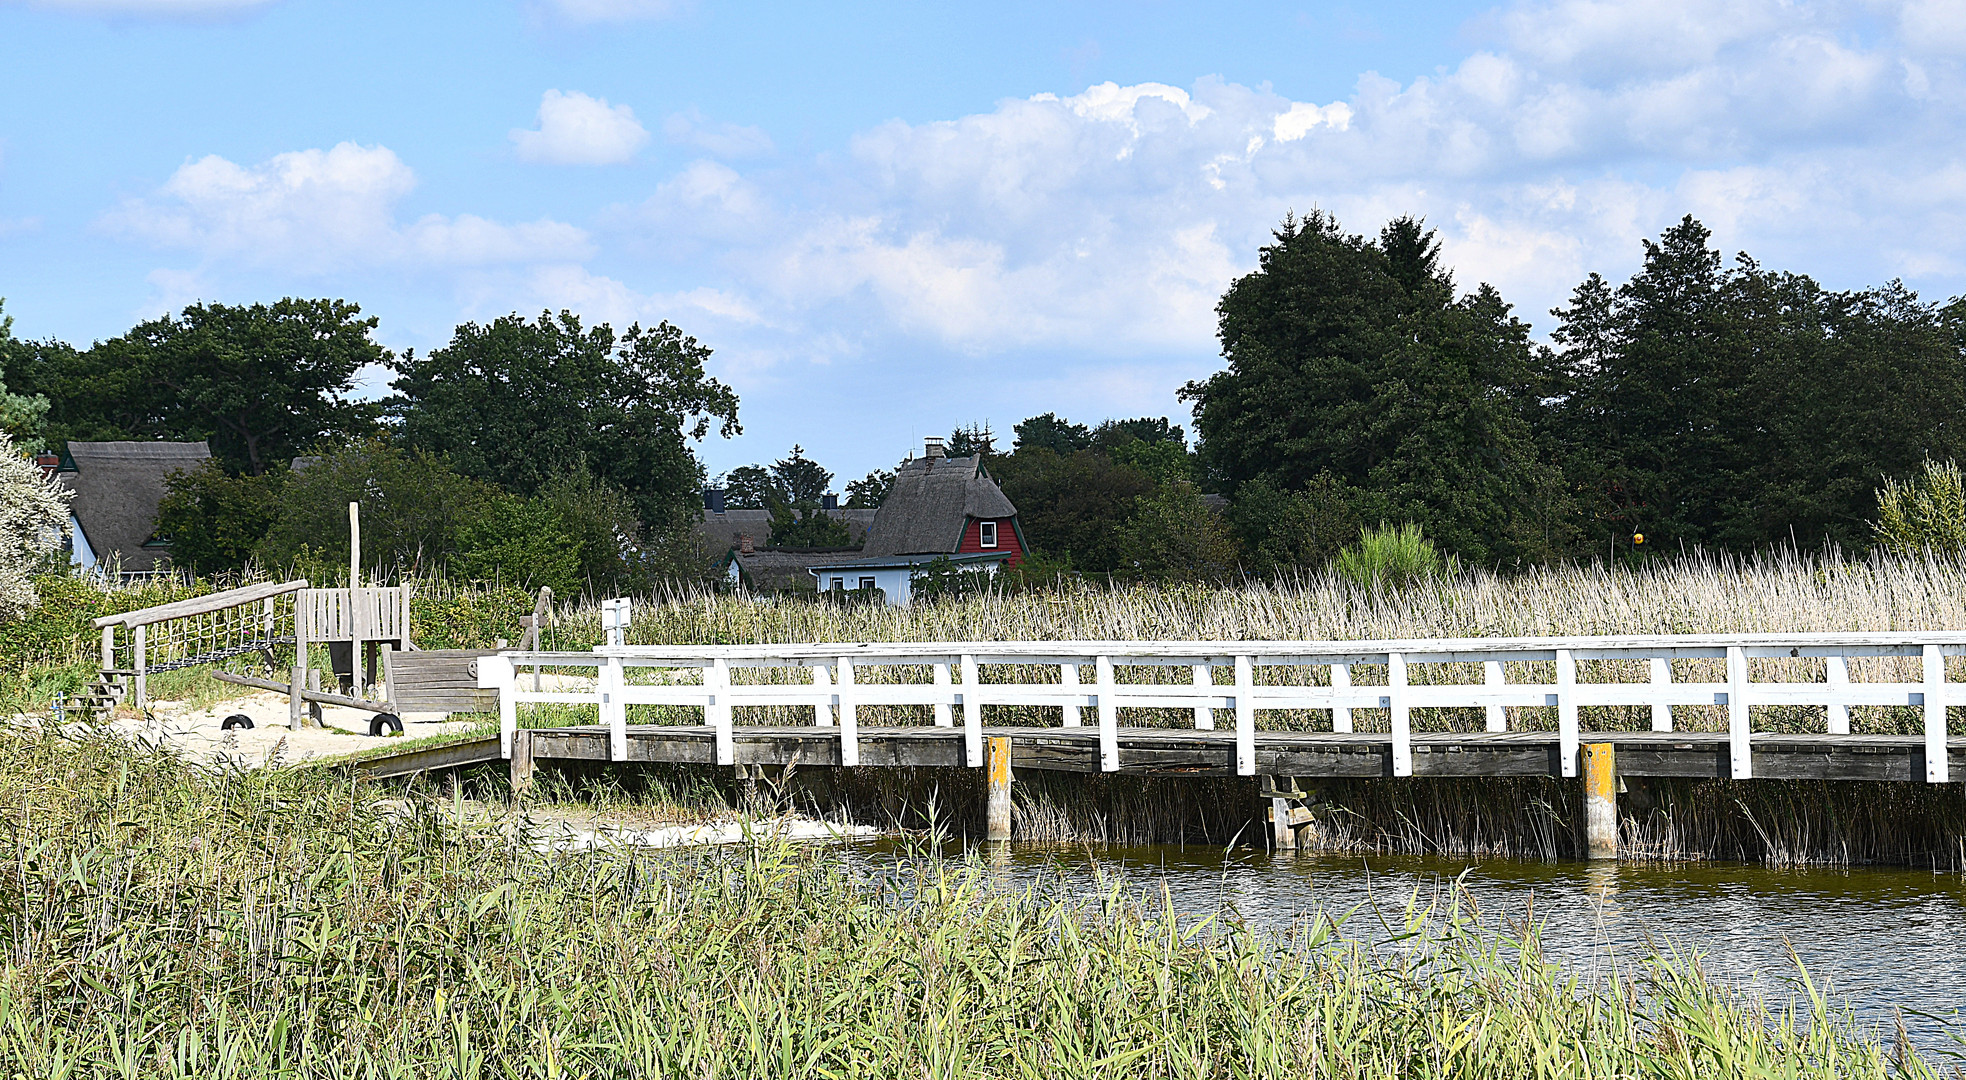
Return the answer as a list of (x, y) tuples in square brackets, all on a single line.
[(866, 583), (989, 529), (839, 583)]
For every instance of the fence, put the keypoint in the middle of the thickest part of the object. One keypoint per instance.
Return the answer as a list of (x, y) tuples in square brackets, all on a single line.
[(1260, 673)]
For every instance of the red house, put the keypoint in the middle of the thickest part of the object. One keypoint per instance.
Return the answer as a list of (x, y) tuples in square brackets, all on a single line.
[(939, 508)]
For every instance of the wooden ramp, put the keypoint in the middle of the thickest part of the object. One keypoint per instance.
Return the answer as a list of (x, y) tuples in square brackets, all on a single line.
[(429, 758)]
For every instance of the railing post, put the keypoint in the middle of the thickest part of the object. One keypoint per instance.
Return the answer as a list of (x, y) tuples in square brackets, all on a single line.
[(972, 714), (1938, 769), (614, 706), (1566, 711), (716, 709), (1491, 675), (1109, 724), (1341, 715), (1839, 682), (1245, 716), (849, 713), (944, 716), (1068, 677), (140, 680), (1661, 671), (822, 710), (494, 673), (1204, 716), (1740, 741), (1402, 721)]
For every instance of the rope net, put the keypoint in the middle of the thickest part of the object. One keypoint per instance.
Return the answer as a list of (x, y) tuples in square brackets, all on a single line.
[(213, 636)]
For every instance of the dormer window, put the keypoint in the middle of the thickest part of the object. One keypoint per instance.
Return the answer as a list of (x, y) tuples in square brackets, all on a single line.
[(989, 533)]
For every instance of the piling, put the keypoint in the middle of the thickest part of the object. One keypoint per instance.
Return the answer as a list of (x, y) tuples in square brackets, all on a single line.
[(1600, 801), (522, 766), (996, 761)]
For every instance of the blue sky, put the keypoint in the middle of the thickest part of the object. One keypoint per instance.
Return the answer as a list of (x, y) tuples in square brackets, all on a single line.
[(890, 219)]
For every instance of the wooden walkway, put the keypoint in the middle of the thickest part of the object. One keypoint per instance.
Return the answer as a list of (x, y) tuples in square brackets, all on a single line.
[(1184, 752)]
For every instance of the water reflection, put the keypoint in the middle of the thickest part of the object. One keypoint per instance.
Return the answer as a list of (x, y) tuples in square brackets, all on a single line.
[(1883, 940)]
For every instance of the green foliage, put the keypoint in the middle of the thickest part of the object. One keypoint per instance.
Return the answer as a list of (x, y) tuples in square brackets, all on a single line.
[(946, 577), (801, 480), (1162, 461), (617, 555), (1036, 571), (23, 417), (517, 403), (807, 528), (1049, 432), (216, 521), (972, 439), (521, 541), (870, 491), (1173, 536), (262, 383), (1294, 531), (1111, 434), (448, 617), (1072, 505), (750, 487), (1355, 358), (1393, 556), (414, 509), (1923, 514)]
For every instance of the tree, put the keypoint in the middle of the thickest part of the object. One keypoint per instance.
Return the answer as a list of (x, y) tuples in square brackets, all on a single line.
[(1355, 358), (522, 542), (23, 417), (1146, 429), (1048, 432), (972, 439), (33, 519), (1072, 505), (801, 479), (870, 491), (1284, 531), (806, 527), (261, 383), (751, 487), (216, 521), (1174, 536), (415, 509), (517, 402)]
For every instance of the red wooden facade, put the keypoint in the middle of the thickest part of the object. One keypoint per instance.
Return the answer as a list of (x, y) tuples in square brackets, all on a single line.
[(1007, 542)]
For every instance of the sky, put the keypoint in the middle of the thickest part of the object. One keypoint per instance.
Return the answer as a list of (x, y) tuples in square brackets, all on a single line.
[(887, 220)]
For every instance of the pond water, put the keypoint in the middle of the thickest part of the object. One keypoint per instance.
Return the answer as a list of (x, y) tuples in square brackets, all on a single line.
[(1884, 941)]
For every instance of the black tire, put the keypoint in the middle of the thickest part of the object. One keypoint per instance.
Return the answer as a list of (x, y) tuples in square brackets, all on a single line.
[(236, 720), (385, 721)]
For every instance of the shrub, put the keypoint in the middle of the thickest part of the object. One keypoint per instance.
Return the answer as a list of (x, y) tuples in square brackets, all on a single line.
[(33, 517), (1393, 555), (1924, 514)]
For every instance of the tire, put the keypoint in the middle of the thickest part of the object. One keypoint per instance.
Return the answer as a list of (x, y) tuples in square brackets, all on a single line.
[(236, 720), (383, 722)]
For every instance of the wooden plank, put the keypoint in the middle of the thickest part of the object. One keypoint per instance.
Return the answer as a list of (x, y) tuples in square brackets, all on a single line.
[(430, 758), (198, 605)]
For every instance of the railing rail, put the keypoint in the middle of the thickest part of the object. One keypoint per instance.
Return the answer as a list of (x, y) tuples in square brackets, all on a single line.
[(833, 685)]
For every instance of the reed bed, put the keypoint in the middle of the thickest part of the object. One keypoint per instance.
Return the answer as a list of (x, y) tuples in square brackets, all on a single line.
[(163, 922)]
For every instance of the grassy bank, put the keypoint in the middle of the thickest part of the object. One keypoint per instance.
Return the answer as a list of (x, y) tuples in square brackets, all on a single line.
[(167, 923)]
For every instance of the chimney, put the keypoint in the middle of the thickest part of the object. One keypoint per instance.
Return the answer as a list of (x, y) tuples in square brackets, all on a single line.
[(744, 545), (829, 501), (713, 500), (934, 447), (50, 464)]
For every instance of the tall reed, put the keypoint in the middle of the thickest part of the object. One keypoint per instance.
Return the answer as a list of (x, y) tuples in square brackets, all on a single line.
[(162, 922)]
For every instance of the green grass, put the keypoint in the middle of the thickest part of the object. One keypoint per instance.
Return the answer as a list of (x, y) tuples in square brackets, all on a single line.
[(163, 922)]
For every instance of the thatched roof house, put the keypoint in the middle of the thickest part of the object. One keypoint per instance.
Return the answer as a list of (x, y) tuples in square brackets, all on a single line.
[(117, 486)]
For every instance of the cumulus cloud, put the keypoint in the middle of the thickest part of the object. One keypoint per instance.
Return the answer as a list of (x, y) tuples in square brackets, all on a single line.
[(575, 129), (318, 210)]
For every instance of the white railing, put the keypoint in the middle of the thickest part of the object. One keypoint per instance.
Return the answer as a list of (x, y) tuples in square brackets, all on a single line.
[(832, 683)]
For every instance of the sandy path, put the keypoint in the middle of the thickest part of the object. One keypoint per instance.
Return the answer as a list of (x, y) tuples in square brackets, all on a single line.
[(195, 733)]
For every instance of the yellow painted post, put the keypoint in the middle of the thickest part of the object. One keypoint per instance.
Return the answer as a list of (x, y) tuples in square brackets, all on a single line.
[(997, 769), (1600, 801)]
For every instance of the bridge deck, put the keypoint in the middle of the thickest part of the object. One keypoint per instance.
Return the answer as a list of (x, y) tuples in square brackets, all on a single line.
[(1187, 752)]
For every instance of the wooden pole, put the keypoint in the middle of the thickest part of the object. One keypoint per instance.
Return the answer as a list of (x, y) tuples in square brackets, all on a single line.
[(1281, 832), (354, 612), (296, 703), (522, 767), (1600, 801), (142, 664), (996, 752)]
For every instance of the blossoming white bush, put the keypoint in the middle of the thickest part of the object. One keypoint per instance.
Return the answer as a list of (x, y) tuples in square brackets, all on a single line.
[(33, 518)]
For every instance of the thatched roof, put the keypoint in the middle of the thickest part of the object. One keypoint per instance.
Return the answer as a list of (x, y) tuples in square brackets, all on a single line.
[(117, 488), (932, 500), (780, 569), (720, 531)]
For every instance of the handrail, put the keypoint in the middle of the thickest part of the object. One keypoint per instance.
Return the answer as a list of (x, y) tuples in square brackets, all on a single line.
[(833, 687), (198, 605)]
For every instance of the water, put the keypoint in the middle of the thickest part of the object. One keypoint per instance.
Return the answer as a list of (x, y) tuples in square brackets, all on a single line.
[(1882, 941)]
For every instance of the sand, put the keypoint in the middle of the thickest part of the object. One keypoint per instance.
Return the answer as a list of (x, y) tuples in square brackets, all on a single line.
[(195, 733)]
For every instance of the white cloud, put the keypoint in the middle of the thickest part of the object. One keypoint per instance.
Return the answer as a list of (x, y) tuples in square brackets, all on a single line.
[(318, 210), (152, 9), (597, 11), (691, 128), (575, 129)]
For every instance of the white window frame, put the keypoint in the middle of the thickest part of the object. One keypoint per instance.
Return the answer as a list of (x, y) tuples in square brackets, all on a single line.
[(987, 533), (867, 583), (839, 583)]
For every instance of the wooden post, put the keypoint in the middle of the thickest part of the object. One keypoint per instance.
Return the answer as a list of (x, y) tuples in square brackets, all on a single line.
[(1839, 681), (296, 704), (1341, 715), (1600, 801), (354, 608), (1401, 716), (1245, 716), (1491, 675), (1740, 739), (314, 707), (997, 754), (108, 647), (943, 711), (1068, 677), (522, 767), (1661, 676), (1204, 716), (143, 663), (1281, 832), (822, 710), (1109, 724), (1566, 711), (972, 714), (717, 711), (1937, 767), (849, 712)]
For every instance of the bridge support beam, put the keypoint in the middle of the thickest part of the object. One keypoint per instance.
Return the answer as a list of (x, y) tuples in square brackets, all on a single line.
[(522, 764), (996, 754), (1600, 801)]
